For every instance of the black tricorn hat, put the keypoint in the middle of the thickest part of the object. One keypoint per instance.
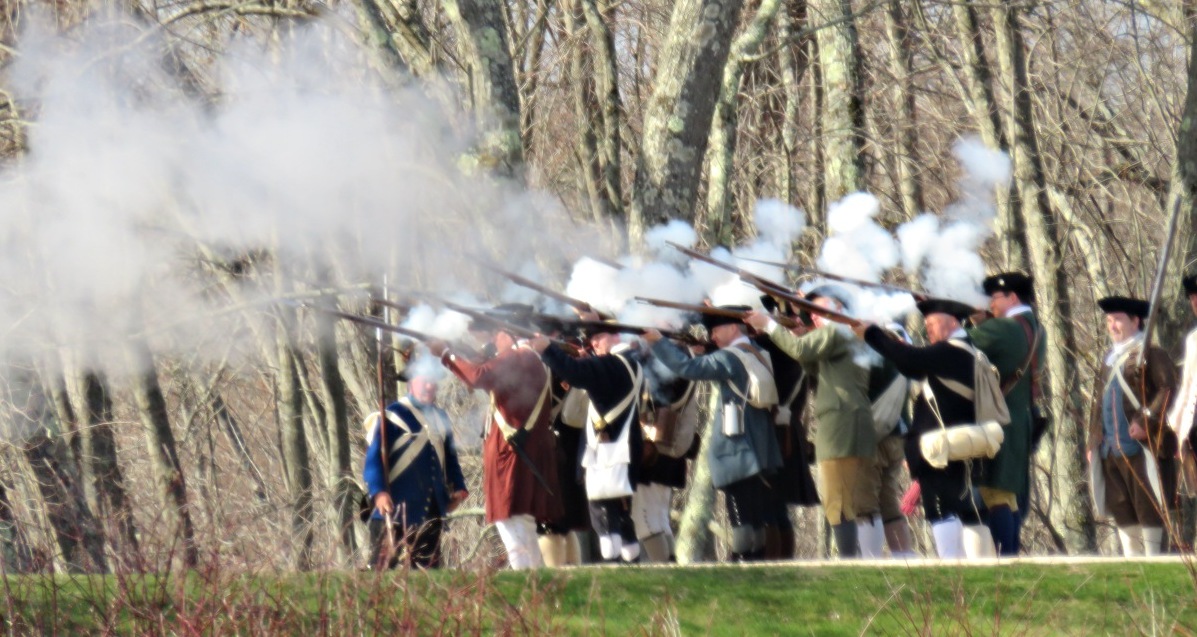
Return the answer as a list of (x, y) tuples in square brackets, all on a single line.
[(946, 306), (1189, 283), (1015, 282), (1126, 305), (711, 321), (773, 306)]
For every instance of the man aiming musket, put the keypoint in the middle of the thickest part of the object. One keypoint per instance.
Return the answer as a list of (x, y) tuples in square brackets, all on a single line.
[(518, 456)]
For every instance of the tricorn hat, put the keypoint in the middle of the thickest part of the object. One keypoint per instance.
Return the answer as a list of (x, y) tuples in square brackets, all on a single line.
[(1015, 282), (1189, 283), (772, 306), (711, 321), (946, 306), (1125, 304)]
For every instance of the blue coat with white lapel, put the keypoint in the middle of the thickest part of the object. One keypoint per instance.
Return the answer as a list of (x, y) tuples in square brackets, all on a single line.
[(422, 480)]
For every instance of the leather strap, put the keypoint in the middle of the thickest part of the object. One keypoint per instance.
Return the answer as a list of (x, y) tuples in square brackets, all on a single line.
[(1031, 361), (599, 421)]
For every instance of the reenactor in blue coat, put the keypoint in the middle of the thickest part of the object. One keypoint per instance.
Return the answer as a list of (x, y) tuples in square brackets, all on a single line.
[(422, 483)]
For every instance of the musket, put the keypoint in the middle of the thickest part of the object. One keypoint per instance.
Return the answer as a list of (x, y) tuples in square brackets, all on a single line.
[(394, 305), (387, 327), (784, 321), (577, 304), (918, 296), (624, 328), (384, 449), (1157, 286), (614, 265), (611, 326), (815, 308), (509, 327), (773, 289), (760, 282)]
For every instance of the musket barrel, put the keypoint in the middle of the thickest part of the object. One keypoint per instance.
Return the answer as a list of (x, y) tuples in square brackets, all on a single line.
[(784, 321), (918, 296), (577, 304)]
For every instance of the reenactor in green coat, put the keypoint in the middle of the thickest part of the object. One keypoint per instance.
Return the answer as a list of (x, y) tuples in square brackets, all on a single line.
[(845, 442), (1007, 339)]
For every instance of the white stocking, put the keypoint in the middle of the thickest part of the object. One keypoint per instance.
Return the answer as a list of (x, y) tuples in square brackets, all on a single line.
[(519, 537), (949, 538), (1132, 540)]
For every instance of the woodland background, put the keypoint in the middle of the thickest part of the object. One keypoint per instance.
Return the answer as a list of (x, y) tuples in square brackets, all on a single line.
[(624, 114)]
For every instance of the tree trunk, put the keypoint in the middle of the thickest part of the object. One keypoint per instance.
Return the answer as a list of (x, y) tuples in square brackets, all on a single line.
[(983, 105), (1074, 512), (695, 542), (606, 75), (294, 442), (677, 123), (232, 431), (28, 418), (1185, 170), (793, 60), (482, 43), (163, 453), (341, 479), (905, 126), (722, 151), (841, 115), (587, 116), (100, 468)]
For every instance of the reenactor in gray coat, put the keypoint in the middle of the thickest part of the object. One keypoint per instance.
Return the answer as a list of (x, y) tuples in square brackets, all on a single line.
[(743, 451)]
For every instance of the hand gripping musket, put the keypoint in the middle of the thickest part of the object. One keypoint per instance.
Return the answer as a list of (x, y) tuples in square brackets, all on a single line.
[(784, 321), (918, 296), (578, 304), (772, 288)]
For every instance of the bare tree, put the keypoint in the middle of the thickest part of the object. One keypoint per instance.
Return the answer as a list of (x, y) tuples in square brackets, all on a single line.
[(677, 122)]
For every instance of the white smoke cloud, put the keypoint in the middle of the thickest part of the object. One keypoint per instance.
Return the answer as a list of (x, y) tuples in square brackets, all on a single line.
[(657, 240), (946, 253), (778, 223), (857, 246), (134, 200), (444, 324)]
